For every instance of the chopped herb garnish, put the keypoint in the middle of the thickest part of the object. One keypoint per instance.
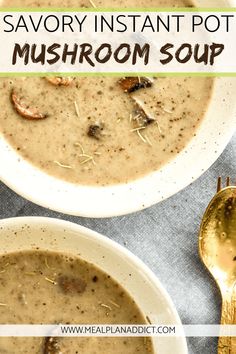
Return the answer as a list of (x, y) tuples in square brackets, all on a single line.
[(62, 165), (77, 109), (141, 136), (114, 303), (30, 273), (92, 3), (83, 154), (51, 281), (106, 306)]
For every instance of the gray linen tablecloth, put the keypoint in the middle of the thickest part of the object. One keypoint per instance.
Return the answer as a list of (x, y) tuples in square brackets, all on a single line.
[(165, 237)]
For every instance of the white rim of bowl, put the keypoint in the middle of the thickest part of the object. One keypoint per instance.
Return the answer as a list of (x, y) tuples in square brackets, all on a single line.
[(89, 201), (93, 235)]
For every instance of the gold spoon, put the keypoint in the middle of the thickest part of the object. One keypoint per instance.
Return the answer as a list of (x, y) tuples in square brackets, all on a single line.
[(217, 247)]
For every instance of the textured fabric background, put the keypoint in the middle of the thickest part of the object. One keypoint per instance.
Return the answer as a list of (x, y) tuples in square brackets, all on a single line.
[(165, 237)]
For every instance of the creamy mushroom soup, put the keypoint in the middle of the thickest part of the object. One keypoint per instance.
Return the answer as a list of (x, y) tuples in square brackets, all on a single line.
[(46, 287), (101, 131)]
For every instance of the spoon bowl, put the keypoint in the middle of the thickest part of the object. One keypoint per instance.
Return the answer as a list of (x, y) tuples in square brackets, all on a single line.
[(217, 248), (217, 242)]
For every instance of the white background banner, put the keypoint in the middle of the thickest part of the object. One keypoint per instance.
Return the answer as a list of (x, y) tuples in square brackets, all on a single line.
[(62, 330), (118, 42)]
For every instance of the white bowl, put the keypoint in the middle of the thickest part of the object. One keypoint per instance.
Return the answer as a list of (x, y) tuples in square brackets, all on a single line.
[(212, 137), (55, 235)]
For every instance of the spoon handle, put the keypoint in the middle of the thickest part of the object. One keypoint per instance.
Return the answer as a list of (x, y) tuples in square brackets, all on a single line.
[(227, 345)]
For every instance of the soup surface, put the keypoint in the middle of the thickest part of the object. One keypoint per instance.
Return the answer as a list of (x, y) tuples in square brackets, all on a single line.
[(47, 287), (95, 132)]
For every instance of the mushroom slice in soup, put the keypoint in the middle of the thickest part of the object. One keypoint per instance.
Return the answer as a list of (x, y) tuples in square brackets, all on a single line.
[(71, 285), (95, 130), (60, 81), (51, 346), (141, 117), (25, 111), (132, 84)]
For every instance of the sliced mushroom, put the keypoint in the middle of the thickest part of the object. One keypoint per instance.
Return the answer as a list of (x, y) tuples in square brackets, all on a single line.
[(142, 118), (25, 111), (95, 130), (60, 81), (51, 346), (132, 84), (71, 285)]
